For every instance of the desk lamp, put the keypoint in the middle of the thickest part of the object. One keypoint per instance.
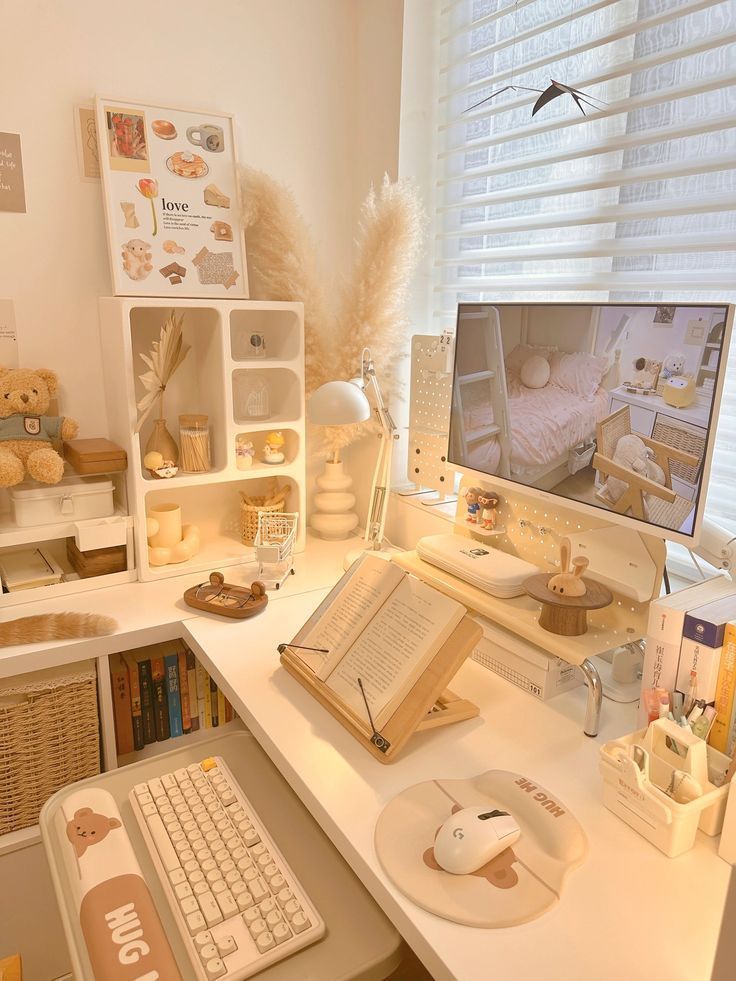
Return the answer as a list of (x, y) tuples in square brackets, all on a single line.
[(342, 403)]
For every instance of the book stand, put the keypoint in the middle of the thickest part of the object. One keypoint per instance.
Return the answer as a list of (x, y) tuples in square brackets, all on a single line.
[(428, 705)]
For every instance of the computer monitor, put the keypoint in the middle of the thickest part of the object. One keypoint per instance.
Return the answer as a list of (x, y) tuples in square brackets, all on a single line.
[(609, 407)]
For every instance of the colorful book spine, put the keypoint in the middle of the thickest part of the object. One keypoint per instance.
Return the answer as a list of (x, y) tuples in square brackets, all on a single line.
[(193, 699), (213, 702), (173, 695), (704, 661), (135, 700), (121, 705), (229, 711), (204, 698), (725, 686), (160, 700), (147, 701), (186, 719)]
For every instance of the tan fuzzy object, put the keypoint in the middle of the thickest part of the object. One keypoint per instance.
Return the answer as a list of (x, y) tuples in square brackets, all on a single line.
[(55, 626)]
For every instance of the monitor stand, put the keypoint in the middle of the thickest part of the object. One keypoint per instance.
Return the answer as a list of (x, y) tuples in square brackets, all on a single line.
[(620, 671)]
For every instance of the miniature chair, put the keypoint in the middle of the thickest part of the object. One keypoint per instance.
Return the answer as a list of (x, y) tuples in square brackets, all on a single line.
[(644, 498)]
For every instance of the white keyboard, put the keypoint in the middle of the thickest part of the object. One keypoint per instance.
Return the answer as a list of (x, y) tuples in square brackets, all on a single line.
[(238, 905)]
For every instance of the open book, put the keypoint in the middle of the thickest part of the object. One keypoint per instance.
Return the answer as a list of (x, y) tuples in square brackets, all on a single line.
[(380, 625)]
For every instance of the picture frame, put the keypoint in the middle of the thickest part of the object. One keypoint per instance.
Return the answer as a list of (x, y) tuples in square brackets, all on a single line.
[(172, 200)]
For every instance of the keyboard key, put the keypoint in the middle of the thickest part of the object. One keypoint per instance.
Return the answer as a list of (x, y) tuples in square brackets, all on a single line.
[(202, 939), (219, 886), (281, 932), (226, 945), (156, 788), (232, 877), (227, 904), (145, 798), (201, 886), (277, 882), (182, 890), (221, 857), (239, 888), (300, 922), (208, 952), (265, 941), (251, 837), (263, 861), (258, 927), (207, 827), (291, 909), (273, 918), (181, 775), (228, 798), (193, 769), (249, 873), (149, 810), (213, 875), (176, 876), (237, 852), (209, 864), (210, 909), (244, 901), (284, 896), (214, 968), (208, 764), (169, 858), (258, 889), (191, 867), (186, 856), (251, 915), (140, 789), (189, 905), (267, 906), (195, 923)]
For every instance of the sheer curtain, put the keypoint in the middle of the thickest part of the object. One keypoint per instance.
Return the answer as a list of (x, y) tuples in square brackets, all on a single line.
[(634, 201)]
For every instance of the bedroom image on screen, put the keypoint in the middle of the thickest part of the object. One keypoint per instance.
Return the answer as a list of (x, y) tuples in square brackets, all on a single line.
[(610, 405)]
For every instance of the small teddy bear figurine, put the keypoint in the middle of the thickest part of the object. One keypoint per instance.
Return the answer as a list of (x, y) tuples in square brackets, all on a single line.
[(567, 583), (26, 432)]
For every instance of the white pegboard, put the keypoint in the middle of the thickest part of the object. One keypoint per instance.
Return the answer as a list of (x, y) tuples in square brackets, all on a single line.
[(429, 412)]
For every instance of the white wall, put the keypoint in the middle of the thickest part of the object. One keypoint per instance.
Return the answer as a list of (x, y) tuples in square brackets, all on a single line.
[(311, 83)]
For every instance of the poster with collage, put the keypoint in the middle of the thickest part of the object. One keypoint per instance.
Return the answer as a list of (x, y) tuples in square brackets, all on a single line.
[(171, 201)]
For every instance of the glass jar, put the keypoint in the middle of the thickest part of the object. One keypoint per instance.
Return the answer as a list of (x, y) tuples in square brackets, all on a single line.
[(194, 443), (254, 396)]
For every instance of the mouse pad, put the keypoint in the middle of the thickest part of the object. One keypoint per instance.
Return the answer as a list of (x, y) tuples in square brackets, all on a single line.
[(516, 886)]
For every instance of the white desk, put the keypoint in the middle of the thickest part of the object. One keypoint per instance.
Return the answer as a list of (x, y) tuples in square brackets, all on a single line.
[(628, 912)]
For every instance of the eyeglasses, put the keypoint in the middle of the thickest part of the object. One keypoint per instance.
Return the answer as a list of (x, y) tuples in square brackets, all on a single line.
[(222, 595)]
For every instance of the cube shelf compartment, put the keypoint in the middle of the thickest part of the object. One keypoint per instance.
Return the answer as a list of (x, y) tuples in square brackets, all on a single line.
[(210, 381)]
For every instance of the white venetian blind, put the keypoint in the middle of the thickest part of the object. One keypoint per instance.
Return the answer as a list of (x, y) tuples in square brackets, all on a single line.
[(633, 201)]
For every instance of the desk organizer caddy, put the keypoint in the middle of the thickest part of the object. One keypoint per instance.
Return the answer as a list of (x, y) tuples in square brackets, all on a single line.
[(634, 794)]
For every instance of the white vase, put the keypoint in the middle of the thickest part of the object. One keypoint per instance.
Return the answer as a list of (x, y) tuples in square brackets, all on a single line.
[(334, 517)]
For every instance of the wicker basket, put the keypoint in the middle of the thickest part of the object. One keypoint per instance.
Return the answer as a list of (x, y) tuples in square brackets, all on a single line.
[(249, 511), (682, 437), (49, 737)]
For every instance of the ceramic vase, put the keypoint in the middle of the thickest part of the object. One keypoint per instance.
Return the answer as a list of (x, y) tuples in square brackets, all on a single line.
[(161, 441), (334, 517)]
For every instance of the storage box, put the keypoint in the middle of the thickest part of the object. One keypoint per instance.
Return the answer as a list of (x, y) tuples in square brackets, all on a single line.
[(49, 737), (94, 456), (97, 562), (635, 792), (72, 498), (524, 664)]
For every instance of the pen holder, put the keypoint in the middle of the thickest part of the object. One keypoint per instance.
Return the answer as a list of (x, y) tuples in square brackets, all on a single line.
[(636, 792)]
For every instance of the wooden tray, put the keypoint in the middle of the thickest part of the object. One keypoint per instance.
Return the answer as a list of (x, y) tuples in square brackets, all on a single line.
[(225, 599)]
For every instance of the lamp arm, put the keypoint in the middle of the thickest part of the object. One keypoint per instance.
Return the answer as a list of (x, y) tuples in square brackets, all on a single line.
[(382, 474)]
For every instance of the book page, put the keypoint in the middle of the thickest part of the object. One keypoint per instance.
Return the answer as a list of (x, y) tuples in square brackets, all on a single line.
[(346, 612), (394, 649)]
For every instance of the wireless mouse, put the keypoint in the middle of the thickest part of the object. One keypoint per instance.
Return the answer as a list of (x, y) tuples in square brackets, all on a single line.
[(473, 836)]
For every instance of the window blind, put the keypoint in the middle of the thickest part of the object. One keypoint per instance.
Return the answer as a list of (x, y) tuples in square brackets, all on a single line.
[(632, 201)]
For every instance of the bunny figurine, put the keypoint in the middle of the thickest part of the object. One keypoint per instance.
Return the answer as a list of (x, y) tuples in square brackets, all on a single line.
[(567, 583)]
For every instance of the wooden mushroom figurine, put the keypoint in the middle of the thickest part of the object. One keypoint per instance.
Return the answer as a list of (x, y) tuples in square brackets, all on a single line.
[(566, 582)]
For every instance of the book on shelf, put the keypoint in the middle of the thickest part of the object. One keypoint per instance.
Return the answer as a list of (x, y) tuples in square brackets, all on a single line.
[(665, 628), (204, 698), (136, 706), (186, 721), (121, 705), (173, 696), (380, 627), (192, 683), (160, 699), (147, 700), (214, 711), (720, 732)]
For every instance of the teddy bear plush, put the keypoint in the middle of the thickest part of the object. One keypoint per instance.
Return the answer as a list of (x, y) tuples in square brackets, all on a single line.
[(673, 365), (26, 431), (632, 453), (137, 259)]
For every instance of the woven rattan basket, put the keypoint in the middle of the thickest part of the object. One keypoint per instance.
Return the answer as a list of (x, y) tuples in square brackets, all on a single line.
[(49, 737), (682, 437), (249, 511)]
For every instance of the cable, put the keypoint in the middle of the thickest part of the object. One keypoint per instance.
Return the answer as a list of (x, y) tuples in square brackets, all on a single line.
[(666, 577)]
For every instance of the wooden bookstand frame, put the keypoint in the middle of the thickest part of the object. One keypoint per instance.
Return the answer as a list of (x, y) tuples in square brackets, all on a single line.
[(426, 706)]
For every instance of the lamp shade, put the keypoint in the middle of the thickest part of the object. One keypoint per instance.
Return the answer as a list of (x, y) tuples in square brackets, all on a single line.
[(338, 403)]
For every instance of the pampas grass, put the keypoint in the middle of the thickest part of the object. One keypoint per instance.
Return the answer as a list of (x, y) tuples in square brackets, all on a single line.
[(371, 311)]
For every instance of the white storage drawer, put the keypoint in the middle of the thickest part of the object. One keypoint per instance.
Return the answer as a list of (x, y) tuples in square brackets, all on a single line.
[(72, 498)]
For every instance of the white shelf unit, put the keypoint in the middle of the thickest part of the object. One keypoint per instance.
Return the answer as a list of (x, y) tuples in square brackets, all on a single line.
[(211, 380), (52, 538)]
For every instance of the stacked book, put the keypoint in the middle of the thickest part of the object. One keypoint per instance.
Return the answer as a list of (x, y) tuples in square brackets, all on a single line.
[(161, 692), (691, 648)]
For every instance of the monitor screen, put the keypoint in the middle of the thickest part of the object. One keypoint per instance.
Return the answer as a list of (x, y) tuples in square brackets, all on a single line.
[(612, 406)]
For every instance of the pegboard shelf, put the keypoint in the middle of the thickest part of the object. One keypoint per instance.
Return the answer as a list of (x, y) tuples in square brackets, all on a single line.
[(618, 624)]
